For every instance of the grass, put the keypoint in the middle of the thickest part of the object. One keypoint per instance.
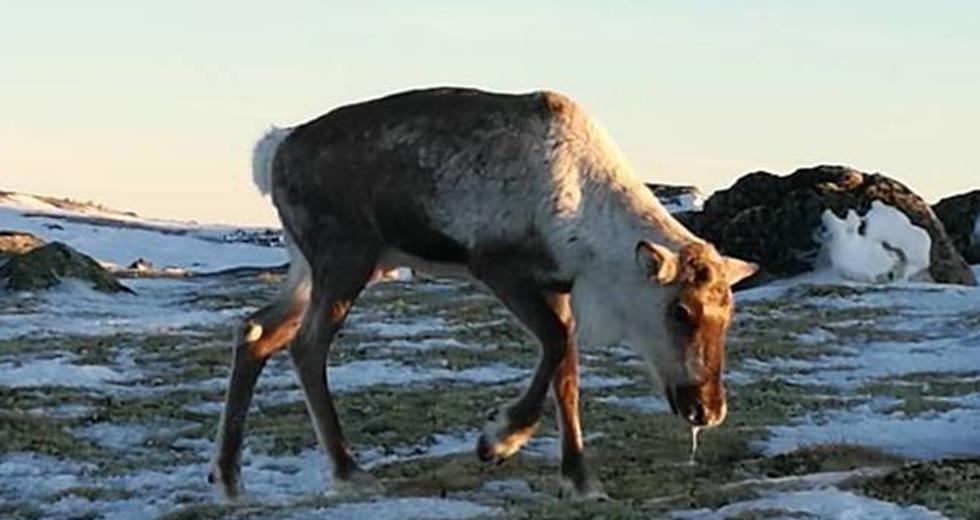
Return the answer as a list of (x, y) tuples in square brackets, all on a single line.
[(640, 457), (951, 486)]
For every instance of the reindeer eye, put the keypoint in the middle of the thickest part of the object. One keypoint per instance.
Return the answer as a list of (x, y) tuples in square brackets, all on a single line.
[(681, 313)]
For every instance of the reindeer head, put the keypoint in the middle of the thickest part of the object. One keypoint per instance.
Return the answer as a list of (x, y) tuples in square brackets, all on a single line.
[(686, 335)]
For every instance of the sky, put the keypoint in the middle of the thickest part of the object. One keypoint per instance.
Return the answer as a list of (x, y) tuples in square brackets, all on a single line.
[(154, 106)]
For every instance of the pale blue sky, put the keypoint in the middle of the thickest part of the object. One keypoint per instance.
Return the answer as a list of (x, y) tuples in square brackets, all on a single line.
[(154, 106)]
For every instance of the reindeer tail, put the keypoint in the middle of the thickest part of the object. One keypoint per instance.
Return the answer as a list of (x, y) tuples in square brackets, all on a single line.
[(263, 155)]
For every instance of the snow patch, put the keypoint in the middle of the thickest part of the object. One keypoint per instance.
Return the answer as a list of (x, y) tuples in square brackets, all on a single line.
[(926, 436), (129, 436), (821, 503), (30, 475), (433, 325), (881, 246), (118, 240), (853, 367), (401, 508), (597, 382), (683, 202), (640, 403), (360, 374), (57, 372), (159, 305), (438, 445)]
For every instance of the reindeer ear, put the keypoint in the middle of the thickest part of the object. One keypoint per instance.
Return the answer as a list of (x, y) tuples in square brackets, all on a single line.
[(658, 262), (737, 270)]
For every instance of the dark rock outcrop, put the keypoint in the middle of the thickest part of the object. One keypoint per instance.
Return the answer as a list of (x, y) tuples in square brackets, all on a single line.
[(774, 220), (44, 267), (960, 214)]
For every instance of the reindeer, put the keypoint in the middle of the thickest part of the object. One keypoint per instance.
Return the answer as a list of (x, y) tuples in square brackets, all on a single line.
[(523, 193)]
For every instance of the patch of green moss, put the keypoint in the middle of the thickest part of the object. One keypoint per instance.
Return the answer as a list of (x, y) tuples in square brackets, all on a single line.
[(92, 493), (21, 511), (822, 458), (950, 486), (924, 385), (24, 432), (380, 417), (915, 405)]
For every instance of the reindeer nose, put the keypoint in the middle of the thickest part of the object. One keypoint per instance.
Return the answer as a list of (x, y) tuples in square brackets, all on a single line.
[(696, 415), (685, 401)]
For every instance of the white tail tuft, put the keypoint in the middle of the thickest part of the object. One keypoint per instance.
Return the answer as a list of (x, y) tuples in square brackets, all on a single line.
[(262, 156)]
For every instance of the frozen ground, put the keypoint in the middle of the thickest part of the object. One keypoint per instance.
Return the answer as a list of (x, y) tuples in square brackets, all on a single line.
[(117, 239), (846, 401)]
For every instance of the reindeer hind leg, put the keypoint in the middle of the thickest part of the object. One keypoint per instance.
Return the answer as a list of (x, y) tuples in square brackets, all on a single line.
[(338, 279), (258, 336)]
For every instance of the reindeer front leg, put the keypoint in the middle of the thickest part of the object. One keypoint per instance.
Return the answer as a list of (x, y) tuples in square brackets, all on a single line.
[(507, 429), (577, 477)]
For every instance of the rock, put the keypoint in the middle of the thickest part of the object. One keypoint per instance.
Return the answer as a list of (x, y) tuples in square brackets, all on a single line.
[(961, 217), (141, 265), (678, 198), (17, 243), (45, 266), (775, 220)]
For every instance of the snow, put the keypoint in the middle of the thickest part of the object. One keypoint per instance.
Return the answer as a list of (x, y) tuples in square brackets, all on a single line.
[(128, 436), (939, 343), (360, 374), (596, 382), (159, 305), (881, 246), (399, 508), (420, 344), (854, 367), (640, 403), (827, 503), (30, 475), (942, 341), (56, 372), (116, 239), (391, 329), (931, 435), (683, 202), (437, 445)]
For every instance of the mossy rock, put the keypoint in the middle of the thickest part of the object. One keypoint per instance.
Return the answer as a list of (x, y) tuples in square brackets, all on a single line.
[(45, 267), (13, 243), (960, 214), (774, 220)]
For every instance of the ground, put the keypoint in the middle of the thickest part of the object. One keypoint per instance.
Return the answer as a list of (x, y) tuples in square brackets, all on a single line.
[(845, 400), (842, 396)]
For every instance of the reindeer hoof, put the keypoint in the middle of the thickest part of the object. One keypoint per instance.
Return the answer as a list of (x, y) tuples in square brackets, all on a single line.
[(484, 450), (493, 448), (231, 488), (589, 490)]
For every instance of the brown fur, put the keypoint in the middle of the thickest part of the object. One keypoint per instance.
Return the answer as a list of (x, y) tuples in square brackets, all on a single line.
[(707, 297), (523, 193)]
